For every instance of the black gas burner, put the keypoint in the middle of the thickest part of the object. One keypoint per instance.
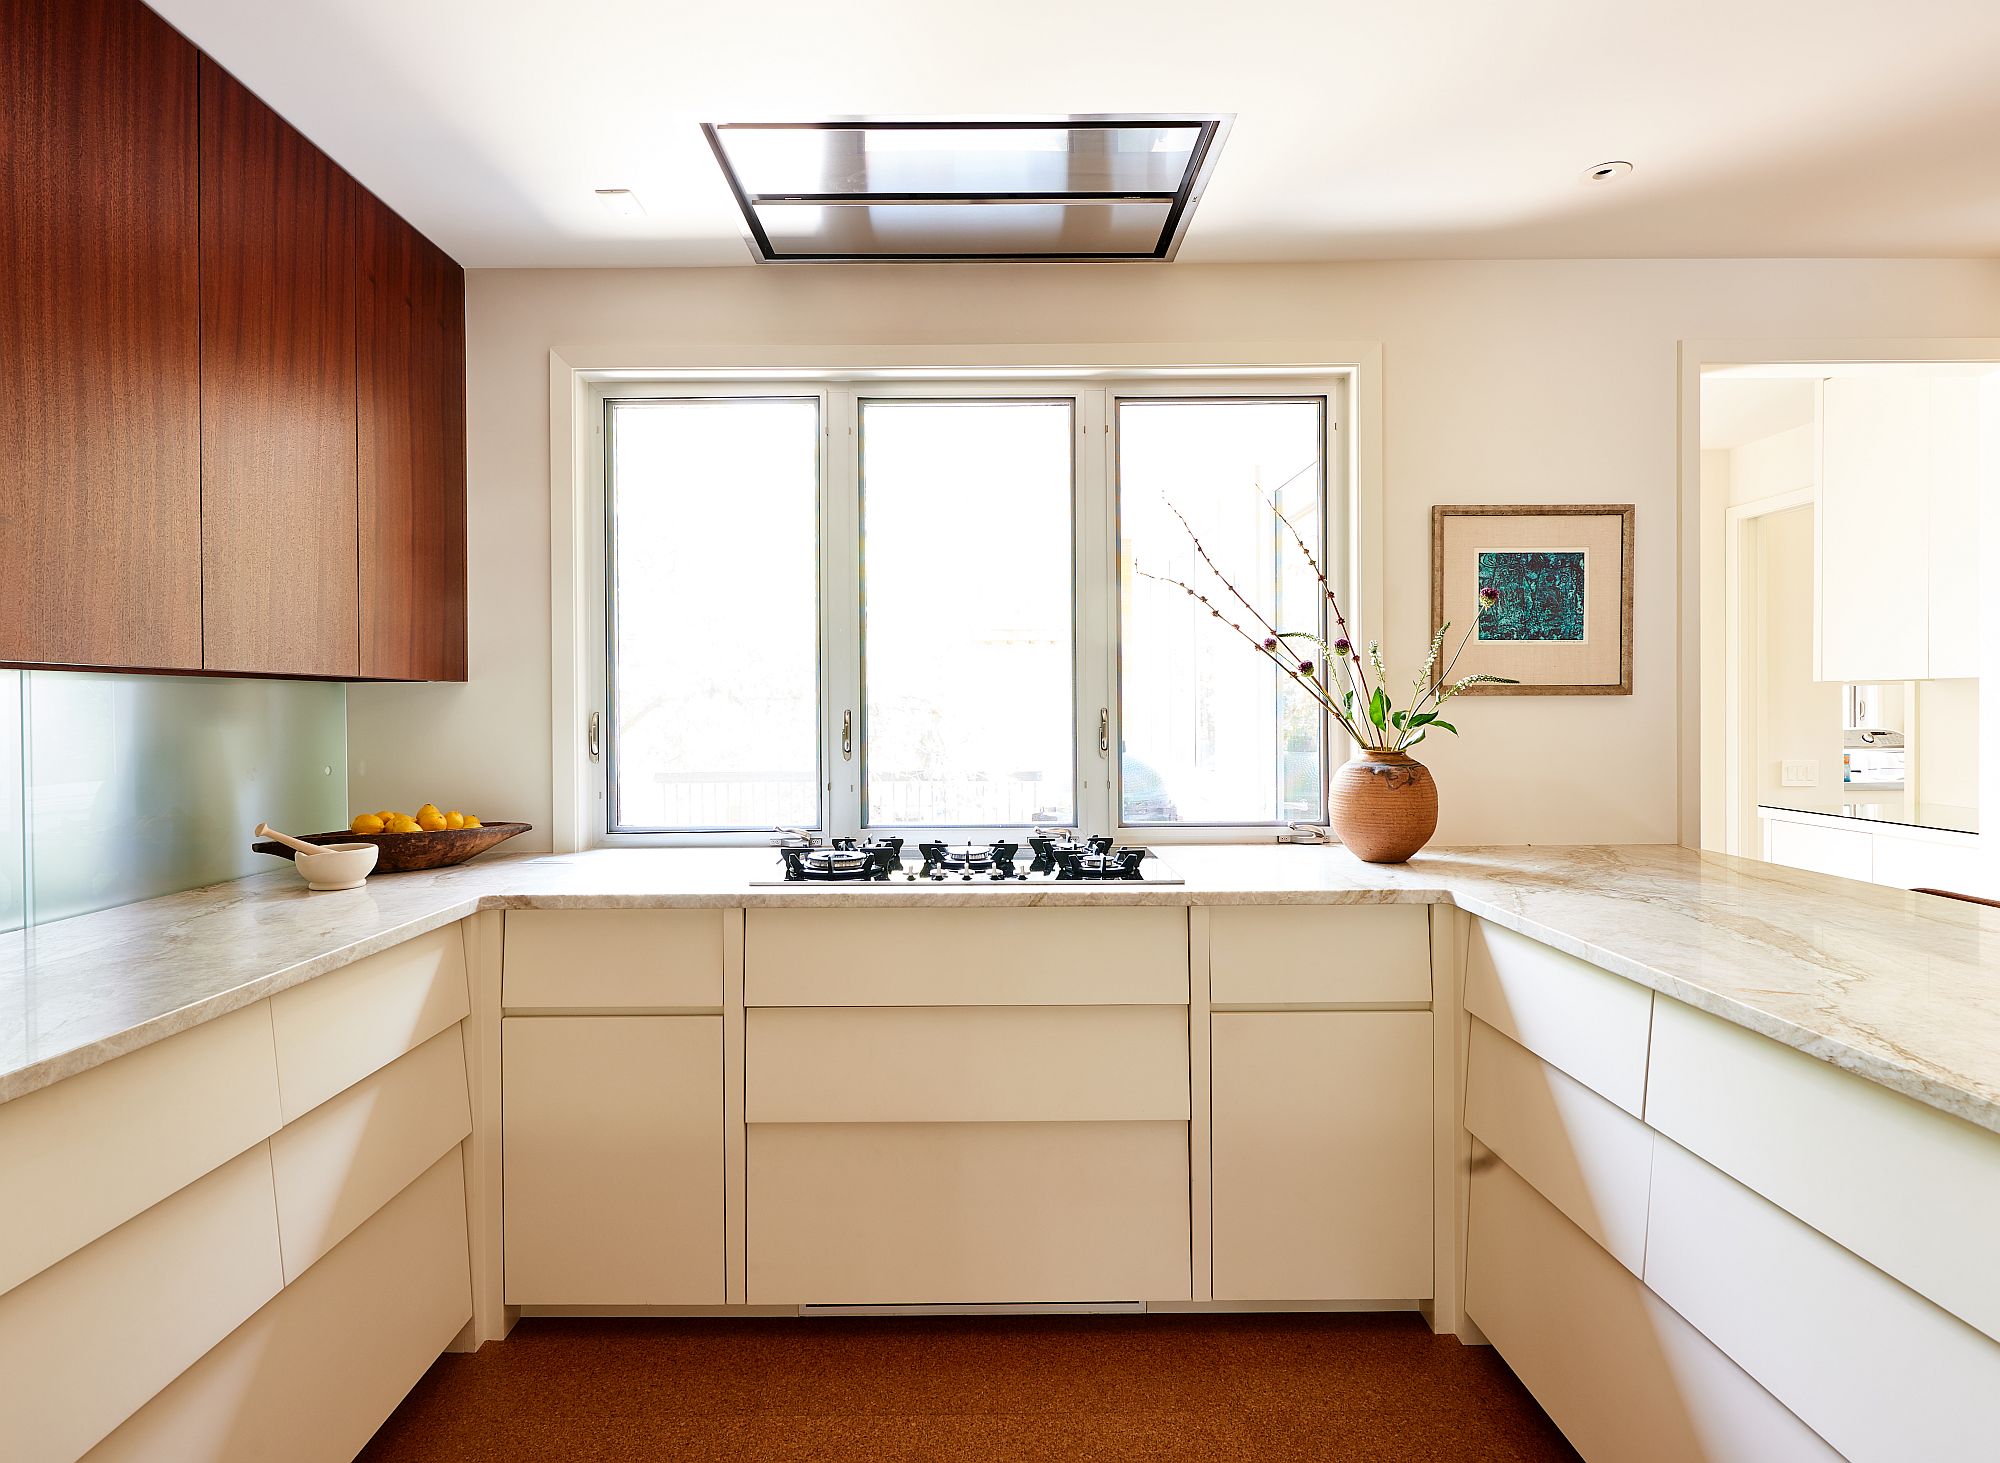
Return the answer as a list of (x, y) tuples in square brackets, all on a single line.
[(994, 860), (843, 861), (1058, 856)]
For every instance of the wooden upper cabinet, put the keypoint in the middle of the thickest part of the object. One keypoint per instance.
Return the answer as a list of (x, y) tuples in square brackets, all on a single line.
[(100, 500), (410, 360), (280, 536)]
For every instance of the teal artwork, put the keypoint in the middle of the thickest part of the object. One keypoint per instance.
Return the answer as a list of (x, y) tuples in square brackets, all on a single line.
[(1540, 594)]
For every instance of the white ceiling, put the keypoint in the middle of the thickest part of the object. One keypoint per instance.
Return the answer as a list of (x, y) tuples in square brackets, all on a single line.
[(1365, 130), (1736, 410)]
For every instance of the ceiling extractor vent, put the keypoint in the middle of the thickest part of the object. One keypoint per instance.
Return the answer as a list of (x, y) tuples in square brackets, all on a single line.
[(878, 190)]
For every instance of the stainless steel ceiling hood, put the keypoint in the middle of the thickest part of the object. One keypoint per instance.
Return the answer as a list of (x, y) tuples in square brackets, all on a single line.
[(969, 190)]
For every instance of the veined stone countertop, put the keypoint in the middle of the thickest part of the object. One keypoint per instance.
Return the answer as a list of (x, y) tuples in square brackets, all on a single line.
[(1903, 989)]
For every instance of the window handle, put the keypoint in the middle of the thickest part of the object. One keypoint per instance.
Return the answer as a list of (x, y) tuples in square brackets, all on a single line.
[(847, 736), (596, 737), (1104, 730)]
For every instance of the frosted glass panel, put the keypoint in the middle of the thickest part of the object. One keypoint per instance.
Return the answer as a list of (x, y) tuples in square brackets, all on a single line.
[(13, 860), (143, 785)]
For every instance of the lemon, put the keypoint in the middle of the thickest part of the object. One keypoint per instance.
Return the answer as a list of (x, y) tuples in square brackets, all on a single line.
[(430, 819), (471, 822), (429, 808), (367, 823), (454, 820), (402, 823)]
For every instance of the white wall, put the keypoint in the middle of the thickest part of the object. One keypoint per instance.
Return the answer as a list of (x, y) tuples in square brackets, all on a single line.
[(1797, 716), (1527, 382), (1780, 463), (1946, 753)]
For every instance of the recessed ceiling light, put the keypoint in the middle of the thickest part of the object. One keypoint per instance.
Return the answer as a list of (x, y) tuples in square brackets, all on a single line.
[(1606, 172), (621, 201), (914, 189)]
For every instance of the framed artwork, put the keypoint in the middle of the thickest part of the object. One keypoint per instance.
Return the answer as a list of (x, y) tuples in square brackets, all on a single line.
[(1561, 624)]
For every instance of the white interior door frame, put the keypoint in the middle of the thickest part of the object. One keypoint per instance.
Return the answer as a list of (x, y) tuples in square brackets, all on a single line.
[(1703, 538), (1742, 665)]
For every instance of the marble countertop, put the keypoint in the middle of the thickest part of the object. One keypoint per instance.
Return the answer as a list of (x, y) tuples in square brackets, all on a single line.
[(1903, 989)]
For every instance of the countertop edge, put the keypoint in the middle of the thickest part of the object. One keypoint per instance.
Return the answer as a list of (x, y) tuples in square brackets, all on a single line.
[(1931, 1091)]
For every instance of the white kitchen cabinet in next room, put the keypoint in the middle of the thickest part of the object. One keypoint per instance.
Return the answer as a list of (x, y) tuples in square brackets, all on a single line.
[(1322, 1155), (1897, 574), (612, 1188)]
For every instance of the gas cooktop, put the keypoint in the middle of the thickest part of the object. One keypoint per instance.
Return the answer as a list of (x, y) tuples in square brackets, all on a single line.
[(1052, 857)]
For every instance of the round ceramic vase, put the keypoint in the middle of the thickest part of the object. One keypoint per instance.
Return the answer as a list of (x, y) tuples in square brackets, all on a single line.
[(1385, 806)]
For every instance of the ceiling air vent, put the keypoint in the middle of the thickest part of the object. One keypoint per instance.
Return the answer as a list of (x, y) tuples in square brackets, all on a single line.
[(1065, 188)]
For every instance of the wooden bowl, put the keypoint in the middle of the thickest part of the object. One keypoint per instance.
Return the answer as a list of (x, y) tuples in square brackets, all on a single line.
[(402, 853)]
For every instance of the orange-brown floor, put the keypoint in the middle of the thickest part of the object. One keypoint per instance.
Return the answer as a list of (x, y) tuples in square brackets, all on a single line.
[(1355, 1388)]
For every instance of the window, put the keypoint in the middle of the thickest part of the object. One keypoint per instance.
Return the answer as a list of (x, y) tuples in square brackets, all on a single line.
[(903, 606), (967, 612), (1212, 733), (713, 613)]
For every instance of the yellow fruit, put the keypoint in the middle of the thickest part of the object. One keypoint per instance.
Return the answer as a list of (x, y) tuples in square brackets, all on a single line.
[(367, 823), (430, 819), (454, 820), (429, 808), (403, 824), (471, 822)]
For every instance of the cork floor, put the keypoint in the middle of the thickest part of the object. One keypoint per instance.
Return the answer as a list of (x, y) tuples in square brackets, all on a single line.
[(1097, 1389)]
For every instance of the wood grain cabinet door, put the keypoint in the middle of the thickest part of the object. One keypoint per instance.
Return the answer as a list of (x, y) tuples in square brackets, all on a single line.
[(280, 545), (410, 359), (100, 493)]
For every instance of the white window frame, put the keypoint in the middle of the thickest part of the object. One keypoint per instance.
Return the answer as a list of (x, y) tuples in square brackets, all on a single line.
[(1094, 570)]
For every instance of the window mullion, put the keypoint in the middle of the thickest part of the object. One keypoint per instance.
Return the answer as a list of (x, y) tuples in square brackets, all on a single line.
[(840, 618), (1096, 621)]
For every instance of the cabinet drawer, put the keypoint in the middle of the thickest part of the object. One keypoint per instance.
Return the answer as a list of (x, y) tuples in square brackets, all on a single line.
[(966, 957), (1917, 863), (1873, 1367), (1321, 1155), (947, 1064), (1589, 1158), (1909, 1189), (309, 1378), (1626, 1379), (1844, 853), (913, 1213), (346, 1158), (1587, 1022), (97, 1148), (612, 1169), (88, 1342), (1305, 955), (613, 959), (334, 1031)]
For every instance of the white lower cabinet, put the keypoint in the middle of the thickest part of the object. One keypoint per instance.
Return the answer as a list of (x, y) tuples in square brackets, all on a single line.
[(310, 1377), (1880, 1372), (90, 1340), (1624, 1377), (1322, 1155), (912, 1213), (612, 1166)]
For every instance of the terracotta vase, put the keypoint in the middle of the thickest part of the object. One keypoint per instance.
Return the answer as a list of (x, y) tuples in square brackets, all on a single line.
[(1385, 806)]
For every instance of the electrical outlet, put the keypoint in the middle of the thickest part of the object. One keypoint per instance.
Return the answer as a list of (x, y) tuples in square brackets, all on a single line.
[(1798, 772)]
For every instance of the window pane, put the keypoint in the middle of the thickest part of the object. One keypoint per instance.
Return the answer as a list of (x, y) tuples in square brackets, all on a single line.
[(1212, 733), (966, 605), (715, 613)]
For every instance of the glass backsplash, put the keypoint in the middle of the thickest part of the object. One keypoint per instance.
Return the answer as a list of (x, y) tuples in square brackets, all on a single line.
[(117, 788)]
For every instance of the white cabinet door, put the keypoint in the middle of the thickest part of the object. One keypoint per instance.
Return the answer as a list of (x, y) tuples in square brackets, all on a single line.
[(1843, 853), (612, 1131), (1873, 584), (1954, 528), (1322, 1155)]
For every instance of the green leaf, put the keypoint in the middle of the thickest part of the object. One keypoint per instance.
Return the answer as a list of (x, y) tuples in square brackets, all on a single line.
[(1400, 720), (1378, 707), (1444, 726), (1423, 718)]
